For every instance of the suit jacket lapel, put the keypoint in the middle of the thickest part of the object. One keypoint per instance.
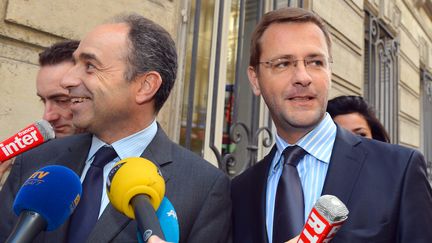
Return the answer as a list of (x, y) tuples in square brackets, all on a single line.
[(110, 224), (159, 152), (78, 153), (345, 165), (261, 192), (74, 159)]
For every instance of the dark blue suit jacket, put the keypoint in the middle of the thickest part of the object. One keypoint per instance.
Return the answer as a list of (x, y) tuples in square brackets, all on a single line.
[(384, 187)]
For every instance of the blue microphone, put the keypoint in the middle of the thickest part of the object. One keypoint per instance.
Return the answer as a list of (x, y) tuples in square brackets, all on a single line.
[(168, 221), (44, 202)]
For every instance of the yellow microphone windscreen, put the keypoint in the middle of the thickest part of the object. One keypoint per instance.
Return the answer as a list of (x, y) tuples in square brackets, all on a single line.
[(133, 176)]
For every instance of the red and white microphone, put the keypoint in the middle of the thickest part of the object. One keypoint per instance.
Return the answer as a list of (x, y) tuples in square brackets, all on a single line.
[(28, 138), (324, 221)]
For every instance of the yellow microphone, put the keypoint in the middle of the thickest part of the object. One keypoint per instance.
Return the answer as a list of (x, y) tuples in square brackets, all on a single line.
[(136, 188)]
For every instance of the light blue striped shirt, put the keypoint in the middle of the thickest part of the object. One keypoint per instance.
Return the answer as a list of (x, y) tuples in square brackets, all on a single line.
[(131, 146), (312, 169)]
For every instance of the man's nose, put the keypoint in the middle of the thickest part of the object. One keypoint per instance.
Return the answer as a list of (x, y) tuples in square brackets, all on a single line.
[(50, 114), (70, 79), (301, 75)]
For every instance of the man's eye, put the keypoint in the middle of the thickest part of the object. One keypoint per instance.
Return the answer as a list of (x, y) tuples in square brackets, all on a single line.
[(282, 64), (89, 66), (315, 63), (62, 101), (362, 134)]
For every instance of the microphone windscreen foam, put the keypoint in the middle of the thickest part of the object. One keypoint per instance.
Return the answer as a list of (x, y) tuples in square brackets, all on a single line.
[(331, 208), (134, 176), (45, 129), (168, 221), (52, 191)]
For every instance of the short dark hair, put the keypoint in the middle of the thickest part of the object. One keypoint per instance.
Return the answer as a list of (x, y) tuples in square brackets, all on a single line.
[(283, 15), (58, 53), (151, 49), (348, 104)]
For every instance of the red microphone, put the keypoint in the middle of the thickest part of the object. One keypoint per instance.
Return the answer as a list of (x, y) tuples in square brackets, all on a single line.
[(324, 221), (29, 137)]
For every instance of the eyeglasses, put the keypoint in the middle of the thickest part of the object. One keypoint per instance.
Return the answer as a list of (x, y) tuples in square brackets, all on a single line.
[(312, 64)]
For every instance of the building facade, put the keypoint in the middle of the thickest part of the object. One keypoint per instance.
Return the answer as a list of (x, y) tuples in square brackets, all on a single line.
[(382, 51)]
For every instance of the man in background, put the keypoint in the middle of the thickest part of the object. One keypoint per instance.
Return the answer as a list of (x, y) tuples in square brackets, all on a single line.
[(55, 61)]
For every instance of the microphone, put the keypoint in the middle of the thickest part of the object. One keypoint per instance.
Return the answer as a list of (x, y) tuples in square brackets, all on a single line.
[(324, 221), (136, 188), (32, 136), (168, 221), (44, 202)]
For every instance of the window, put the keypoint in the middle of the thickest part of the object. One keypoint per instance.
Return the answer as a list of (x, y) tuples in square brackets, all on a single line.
[(193, 118), (426, 83), (382, 74)]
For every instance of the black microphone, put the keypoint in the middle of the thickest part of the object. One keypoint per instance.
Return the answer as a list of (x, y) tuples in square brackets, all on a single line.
[(145, 215), (136, 189), (47, 198)]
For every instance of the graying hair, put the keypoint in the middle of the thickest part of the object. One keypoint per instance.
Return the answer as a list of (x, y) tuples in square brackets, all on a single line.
[(151, 48)]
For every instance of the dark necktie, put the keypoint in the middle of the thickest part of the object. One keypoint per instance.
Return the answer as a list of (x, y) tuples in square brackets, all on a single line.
[(86, 214), (289, 204)]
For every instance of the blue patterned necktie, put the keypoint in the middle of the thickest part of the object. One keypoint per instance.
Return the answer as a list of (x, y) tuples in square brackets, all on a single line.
[(86, 214), (289, 204)]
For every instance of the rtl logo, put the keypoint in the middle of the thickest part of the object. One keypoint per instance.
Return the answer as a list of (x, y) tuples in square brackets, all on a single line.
[(318, 229)]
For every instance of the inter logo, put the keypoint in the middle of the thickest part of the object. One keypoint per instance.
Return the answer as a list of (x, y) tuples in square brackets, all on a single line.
[(19, 142)]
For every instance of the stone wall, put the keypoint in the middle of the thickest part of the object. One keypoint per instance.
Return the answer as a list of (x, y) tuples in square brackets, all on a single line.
[(26, 27), (411, 22)]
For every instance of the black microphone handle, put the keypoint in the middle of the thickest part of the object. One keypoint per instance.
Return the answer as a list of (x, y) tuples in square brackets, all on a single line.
[(145, 215), (29, 225)]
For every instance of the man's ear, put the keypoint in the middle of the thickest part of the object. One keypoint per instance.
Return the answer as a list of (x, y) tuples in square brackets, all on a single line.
[(148, 84), (253, 80)]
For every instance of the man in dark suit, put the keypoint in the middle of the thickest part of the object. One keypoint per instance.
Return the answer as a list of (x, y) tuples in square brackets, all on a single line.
[(384, 186), (123, 73)]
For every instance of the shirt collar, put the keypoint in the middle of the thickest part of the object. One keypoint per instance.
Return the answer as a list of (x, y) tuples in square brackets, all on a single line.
[(324, 132), (130, 146)]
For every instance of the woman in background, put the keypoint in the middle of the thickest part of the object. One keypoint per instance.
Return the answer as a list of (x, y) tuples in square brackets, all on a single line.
[(355, 115)]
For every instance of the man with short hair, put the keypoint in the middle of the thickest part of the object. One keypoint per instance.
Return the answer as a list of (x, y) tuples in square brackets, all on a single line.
[(384, 186), (55, 61), (122, 75)]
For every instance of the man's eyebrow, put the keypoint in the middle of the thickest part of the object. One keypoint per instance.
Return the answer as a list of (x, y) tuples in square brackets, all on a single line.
[(313, 55), (359, 129), (293, 57), (89, 57), (284, 56)]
